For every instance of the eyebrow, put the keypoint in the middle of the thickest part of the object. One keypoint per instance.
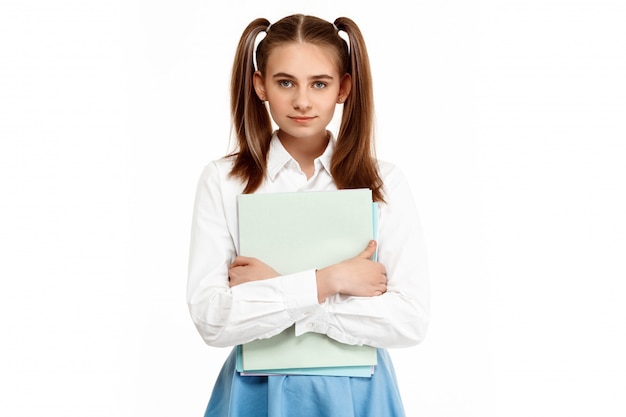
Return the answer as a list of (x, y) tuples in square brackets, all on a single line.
[(314, 77)]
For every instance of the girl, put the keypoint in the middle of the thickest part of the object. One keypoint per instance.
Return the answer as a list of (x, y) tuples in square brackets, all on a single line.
[(304, 69)]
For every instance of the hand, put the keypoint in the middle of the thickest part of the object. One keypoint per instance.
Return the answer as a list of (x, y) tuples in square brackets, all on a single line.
[(358, 276), (245, 269)]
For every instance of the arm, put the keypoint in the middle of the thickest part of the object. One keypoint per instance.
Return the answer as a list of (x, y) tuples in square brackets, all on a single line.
[(399, 317), (226, 316)]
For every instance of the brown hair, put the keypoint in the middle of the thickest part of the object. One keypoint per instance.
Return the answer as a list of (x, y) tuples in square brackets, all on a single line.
[(353, 164)]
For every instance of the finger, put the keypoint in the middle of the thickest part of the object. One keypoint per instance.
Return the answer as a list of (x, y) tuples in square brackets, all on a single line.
[(369, 250), (240, 261)]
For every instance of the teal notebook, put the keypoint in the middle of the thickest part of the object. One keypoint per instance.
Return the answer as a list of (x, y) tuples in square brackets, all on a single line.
[(297, 231)]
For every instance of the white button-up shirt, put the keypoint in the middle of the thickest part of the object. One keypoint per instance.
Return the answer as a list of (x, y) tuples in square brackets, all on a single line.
[(227, 316)]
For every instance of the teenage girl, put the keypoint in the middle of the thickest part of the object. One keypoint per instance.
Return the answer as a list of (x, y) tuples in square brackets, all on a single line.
[(296, 76)]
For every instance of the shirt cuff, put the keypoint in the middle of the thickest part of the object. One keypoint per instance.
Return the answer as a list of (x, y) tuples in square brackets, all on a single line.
[(300, 291)]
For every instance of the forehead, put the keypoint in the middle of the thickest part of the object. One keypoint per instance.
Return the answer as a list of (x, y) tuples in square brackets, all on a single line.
[(302, 59)]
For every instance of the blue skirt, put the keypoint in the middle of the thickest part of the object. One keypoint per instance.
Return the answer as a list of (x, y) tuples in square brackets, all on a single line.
[(306, 396)]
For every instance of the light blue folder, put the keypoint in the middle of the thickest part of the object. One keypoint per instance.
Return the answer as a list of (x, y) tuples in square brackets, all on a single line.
[(355, 371), (297, 231)]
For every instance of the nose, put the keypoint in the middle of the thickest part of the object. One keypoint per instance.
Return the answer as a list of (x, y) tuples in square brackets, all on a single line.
[(301, 100)]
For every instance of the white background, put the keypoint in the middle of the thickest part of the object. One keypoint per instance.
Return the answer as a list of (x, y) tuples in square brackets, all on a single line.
[(509, 117)]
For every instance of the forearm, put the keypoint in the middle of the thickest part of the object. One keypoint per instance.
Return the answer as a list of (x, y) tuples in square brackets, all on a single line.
[(259, 309), (400, 316), (391, 320)]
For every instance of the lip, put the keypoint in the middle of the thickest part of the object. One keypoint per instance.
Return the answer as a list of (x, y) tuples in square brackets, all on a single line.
[(302, 119)]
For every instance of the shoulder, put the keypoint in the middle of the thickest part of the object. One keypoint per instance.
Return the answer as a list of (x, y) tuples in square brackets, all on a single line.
[(396, 184), (216, 175), (218, 169), (391, 174)]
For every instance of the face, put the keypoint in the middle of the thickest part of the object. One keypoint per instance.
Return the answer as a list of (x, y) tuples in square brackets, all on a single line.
[(302, 86)]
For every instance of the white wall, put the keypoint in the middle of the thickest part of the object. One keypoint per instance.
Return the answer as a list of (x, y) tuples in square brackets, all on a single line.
[(509, 117)]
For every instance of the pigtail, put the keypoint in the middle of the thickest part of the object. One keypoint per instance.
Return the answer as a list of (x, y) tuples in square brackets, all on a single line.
[(251, 121), (354, 164)]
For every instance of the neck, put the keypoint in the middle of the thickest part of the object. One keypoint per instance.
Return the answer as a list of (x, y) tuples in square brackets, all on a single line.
[(304, 150)]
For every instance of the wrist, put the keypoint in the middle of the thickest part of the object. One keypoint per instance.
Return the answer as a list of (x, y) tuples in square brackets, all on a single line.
[(326, 286)]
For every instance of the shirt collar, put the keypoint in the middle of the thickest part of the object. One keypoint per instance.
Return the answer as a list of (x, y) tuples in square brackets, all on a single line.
[(278, 156)]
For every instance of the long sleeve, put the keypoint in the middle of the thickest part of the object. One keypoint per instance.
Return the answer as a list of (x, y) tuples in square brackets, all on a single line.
[(398, 318), (227, 316)]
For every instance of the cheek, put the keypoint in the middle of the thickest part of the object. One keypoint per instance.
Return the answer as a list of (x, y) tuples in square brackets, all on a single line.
[(278, 106), (329, 105)]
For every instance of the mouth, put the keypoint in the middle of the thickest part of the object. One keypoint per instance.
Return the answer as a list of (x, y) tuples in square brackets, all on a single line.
[(301, 119)]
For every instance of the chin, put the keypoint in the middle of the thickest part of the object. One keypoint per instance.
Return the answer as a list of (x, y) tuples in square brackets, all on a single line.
[(305, 133)]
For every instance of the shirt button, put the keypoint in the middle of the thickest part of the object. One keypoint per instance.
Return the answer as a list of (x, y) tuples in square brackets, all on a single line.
[(310, 325)]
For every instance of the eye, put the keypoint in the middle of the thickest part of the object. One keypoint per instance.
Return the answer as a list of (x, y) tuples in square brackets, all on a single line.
[(285, 83), (319, 84)]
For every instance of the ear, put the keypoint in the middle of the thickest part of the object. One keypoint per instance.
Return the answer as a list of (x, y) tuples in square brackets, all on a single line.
[(259, 85), (345, 86)]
